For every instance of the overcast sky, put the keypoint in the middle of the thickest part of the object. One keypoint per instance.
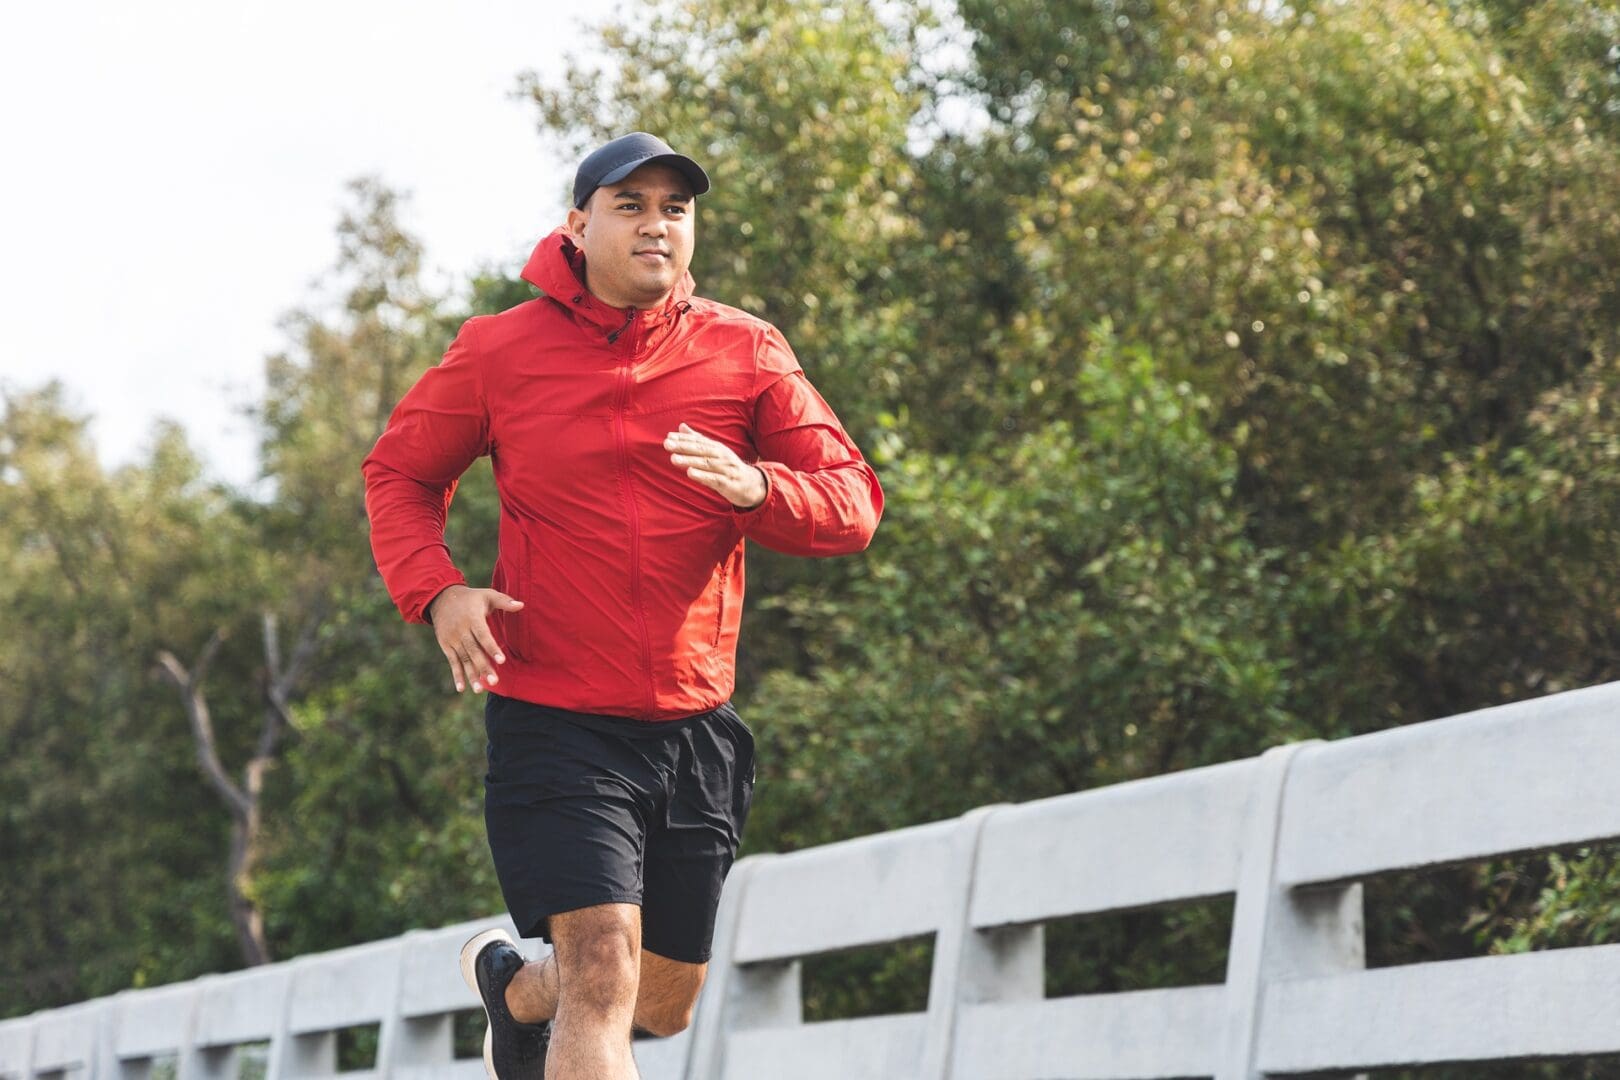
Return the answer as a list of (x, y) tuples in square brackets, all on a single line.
[(174, 172)]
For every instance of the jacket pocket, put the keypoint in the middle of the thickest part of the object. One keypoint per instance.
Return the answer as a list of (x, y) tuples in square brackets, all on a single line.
[(513, 626), (720, 604)]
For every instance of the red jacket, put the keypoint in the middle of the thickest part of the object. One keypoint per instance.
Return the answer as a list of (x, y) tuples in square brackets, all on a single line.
[(631, 572)]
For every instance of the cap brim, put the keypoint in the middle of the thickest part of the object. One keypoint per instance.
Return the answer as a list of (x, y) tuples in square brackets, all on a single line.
[(680, 162)]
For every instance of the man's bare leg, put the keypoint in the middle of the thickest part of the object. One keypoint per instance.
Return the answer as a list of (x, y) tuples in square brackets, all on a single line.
[(667, 992), (598, 951)]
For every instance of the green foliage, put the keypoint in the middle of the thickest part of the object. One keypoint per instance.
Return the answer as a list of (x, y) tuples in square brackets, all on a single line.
[(1072, 607), (115, 844), (1366, 252), (380, 807), (1149, 949), (873, 981), (1579, 904), (100, 799)]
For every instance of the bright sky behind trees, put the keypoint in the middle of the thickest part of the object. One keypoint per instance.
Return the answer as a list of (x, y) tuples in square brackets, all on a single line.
[(175, 172)]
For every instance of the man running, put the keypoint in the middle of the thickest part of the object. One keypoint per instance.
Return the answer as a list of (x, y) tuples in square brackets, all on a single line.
[(638, 435)]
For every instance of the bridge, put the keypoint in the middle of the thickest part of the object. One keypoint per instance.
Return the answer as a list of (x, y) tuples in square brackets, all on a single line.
[(1289, 836)]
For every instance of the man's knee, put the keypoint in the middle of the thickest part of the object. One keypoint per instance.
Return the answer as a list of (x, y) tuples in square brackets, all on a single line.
[(598, 955)]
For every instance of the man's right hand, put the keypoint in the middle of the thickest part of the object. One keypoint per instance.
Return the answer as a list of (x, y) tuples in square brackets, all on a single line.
[(460, 621)]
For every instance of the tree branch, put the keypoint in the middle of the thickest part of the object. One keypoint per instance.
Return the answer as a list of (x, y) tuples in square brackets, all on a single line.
[(189, 684), (280, 682)]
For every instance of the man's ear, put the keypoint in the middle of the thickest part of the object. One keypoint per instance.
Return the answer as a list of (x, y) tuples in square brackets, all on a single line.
[(576, 222)]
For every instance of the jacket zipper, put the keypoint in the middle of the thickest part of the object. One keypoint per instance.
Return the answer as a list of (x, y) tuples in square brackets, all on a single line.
[(630, 503)]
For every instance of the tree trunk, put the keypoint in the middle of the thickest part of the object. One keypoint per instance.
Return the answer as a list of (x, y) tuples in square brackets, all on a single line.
[(246, 919), (242, 801)]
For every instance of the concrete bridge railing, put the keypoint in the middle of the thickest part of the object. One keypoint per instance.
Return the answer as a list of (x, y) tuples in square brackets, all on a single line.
[(1289, 835)]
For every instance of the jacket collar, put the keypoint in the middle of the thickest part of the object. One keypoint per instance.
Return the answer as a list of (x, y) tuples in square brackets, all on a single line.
[(557, 268)]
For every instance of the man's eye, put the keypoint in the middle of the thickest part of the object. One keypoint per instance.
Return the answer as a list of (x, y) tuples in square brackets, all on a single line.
[(628, 206)]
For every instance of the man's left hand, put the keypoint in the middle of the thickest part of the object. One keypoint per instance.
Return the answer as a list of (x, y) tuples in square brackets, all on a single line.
[(717, 467)]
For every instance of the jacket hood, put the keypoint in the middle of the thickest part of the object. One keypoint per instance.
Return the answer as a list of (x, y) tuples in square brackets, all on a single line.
[(557, 268)]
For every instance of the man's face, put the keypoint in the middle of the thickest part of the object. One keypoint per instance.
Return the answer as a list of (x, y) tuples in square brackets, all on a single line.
[(637, 236)]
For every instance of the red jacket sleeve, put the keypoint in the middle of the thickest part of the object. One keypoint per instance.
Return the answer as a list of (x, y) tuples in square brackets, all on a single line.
[(821, 498), (438, 429)]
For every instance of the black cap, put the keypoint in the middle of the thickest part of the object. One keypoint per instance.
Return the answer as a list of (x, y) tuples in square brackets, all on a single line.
[(619, 158)]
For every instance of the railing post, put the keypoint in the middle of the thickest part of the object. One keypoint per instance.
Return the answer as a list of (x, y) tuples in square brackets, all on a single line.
[(970, 966), (733, 996), (103, 1063), (406, 1041), (31, 1049), (1278, 933), (289, 1057), (194, 1062)]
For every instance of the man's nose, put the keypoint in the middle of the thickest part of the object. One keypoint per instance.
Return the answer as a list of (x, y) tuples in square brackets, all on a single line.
[(654, 226)]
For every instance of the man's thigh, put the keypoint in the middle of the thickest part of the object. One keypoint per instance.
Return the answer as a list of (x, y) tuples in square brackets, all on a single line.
[(691, 852), (566, 809)]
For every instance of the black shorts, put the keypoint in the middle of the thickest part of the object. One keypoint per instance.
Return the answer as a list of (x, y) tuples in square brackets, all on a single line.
[(584, 809)]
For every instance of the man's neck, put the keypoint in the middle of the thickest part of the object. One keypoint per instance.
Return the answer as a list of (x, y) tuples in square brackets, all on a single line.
[(626, 304)]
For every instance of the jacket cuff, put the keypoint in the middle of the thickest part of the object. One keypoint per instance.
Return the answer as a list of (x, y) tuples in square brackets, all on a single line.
[(754, 513), (428, 595)]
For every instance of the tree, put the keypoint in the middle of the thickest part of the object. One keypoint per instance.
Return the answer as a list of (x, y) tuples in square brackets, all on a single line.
[(376, 827), (243, 800), (108, 878)]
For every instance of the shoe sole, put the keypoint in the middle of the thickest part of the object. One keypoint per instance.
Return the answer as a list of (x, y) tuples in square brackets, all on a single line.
[(469, 957)]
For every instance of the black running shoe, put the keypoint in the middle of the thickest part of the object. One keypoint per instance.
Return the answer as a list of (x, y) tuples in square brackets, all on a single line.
[(512, 1050)]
